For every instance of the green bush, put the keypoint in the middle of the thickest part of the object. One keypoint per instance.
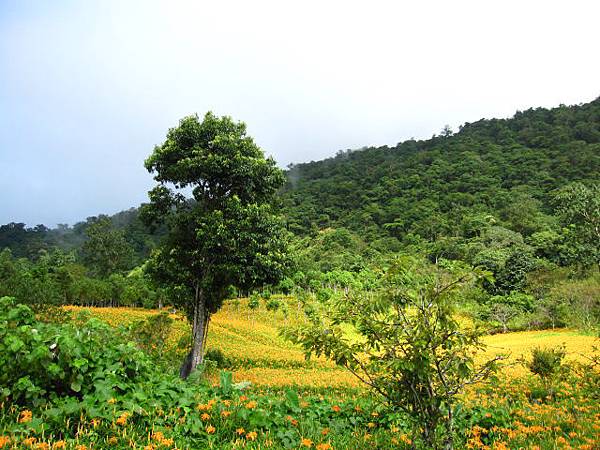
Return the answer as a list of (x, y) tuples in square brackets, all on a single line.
[(546, 362), (45, 361)]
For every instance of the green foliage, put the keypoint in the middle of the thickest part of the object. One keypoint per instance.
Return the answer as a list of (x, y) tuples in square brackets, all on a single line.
[(410, 349), (106, 251), (578, 207), (546, 362), (151, 335), (227, 234), (43, 362)]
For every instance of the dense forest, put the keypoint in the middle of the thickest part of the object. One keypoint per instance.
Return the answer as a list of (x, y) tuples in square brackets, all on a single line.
[(518, 197)]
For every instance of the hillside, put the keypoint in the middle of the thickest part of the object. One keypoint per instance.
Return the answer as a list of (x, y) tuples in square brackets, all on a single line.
[(504, 168)]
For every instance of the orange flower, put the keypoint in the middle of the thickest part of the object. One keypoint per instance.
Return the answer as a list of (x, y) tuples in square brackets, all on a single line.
[(252, 436), (210, 429), (251, 405), (205, 416), (25, 416), (324, 446), (158, 436), (243, 398), (306, 442), (4, 441), (29, 441), (325, 431), (122, 420), (336, 408), (225, 414), (240, 431), (59, 444)]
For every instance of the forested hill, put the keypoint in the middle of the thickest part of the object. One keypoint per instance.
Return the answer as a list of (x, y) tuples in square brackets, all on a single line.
[(498, 173), (500, 170)]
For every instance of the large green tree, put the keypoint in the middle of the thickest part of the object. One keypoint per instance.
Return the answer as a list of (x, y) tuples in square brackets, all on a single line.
[(226, 233)]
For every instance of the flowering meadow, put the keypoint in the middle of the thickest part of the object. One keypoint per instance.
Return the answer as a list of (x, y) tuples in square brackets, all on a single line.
[(100, 392)]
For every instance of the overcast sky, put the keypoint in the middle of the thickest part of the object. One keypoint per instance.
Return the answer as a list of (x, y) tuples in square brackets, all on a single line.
[(87, 88)]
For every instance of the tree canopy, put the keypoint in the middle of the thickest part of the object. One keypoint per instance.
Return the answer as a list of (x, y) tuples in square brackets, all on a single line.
[(226, 233)]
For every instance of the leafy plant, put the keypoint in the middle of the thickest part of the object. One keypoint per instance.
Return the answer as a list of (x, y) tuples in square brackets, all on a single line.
[(409, 347), (546, 362)]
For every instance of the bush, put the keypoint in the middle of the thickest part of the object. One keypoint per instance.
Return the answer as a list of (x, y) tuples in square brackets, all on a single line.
[(546, 362), (43, 361)]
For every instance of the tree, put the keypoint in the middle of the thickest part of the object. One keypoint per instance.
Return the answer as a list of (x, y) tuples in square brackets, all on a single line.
[(227, 233), (578, 206), (405, 343), (106, 251)]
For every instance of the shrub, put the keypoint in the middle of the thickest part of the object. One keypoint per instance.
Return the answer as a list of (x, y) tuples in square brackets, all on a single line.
[(546, 362), (410, 349), (41, 362)]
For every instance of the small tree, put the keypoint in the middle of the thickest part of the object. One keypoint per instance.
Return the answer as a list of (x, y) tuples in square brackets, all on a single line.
[(227, 233), (410, 350)]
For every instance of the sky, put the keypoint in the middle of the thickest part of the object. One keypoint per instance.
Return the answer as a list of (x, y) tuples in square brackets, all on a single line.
[(88, 88)]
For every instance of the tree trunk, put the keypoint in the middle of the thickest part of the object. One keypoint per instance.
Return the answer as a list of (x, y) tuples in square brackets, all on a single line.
[(199, 330)]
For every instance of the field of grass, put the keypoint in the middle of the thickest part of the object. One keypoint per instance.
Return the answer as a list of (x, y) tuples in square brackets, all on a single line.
[(251, 338)]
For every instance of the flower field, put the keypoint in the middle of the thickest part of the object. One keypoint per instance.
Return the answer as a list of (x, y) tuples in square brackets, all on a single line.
[(290, 404), (251, 338)]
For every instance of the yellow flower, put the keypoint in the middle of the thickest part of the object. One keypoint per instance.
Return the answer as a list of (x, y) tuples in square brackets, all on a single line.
[(252, 436), (371, 425), (375, 414), (25, 416), (81, 447), (111, 401), (306, 442), (240, 431), (59, 444), (43, 446), (210, 429)]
